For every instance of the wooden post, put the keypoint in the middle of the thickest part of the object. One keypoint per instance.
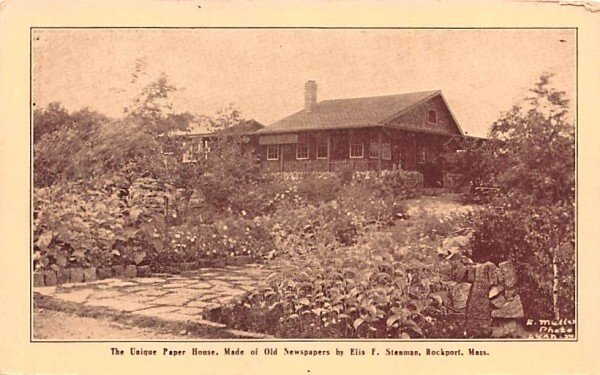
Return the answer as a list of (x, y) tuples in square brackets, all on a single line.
[(329, 152), (280, 158), (379, 136)]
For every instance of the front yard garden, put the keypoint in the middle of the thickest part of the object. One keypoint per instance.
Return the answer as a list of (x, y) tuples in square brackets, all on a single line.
[(354, 255)]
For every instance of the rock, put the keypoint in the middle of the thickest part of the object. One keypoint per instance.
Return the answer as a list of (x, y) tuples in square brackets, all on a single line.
[(89, 274), (508, 274), (130, 271), (465, 260), (219, 263), (499, 301), (62, 276), (495, 275), (144, 271), (239, 260), (495, 291), (119, 270), (446, 268), (50, 278), (454, 256), (459, 272), (507, 328), (459, 242), (460, 295), (38, 279), (213, 313), (188, 266), (205, 263), (511, 309), (470, 274), (478, 312), (104, 273), (193, 273), (76, 275)]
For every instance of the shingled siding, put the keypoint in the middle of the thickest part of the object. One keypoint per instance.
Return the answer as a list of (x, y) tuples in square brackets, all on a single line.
[(417, 118)]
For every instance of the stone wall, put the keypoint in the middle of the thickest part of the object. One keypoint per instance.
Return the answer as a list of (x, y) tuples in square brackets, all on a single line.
[(485, 293)]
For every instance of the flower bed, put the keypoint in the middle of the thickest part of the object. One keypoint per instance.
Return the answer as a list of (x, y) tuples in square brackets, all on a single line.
[(388, 284)]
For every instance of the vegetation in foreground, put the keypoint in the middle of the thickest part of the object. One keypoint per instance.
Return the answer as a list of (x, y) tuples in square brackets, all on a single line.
[(112, 191)]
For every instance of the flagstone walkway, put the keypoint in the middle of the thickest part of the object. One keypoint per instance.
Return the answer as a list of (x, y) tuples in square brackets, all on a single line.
[(175, 298)]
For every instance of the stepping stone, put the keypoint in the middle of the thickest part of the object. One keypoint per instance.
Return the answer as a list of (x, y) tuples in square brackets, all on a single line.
[(198, 304), (175, 285), (45, 290), (78, 296), (176, 299), (117, 283), (201, 285), (157, 311), (191, 311), (117, 304), (192, 318), (150, 280), (106, 294), (151, 292)]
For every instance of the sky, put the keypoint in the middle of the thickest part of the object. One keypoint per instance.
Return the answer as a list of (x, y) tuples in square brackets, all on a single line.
[(262, 72)]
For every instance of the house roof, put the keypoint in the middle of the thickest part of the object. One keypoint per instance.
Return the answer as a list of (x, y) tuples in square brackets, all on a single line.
[(242, 127), (350, 113)]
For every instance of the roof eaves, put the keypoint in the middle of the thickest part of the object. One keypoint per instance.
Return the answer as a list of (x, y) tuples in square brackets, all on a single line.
[(452, 114), (408, 108), (295, 130)]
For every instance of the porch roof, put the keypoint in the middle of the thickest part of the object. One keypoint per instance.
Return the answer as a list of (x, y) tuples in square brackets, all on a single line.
[(350, 113)]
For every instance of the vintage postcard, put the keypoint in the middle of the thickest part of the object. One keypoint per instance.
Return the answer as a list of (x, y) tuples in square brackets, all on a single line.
[(212, 188)]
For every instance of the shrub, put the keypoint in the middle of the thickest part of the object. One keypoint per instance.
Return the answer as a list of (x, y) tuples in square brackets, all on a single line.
[(317, 189), (397, 184), (92, 224), (377, 288), (532, 218), (365, 206)]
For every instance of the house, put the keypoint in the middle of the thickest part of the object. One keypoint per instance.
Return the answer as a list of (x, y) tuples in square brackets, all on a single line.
[(198, 140), (404, 131)]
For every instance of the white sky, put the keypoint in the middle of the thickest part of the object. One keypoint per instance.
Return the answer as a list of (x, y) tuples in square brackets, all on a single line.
[(481, 72)]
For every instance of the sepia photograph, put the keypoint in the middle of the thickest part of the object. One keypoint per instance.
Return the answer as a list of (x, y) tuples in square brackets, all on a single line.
[(322, 183)]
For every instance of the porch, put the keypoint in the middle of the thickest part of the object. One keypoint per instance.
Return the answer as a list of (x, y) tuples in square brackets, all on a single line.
[(367, 149)]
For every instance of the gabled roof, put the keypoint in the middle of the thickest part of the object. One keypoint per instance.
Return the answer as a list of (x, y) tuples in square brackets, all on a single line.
[(350, 113)]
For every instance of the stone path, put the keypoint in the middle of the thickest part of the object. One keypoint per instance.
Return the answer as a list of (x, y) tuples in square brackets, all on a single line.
[(175, 298), (442, 205)]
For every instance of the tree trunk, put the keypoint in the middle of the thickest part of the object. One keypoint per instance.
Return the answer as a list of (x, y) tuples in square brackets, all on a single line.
[(555, 283)]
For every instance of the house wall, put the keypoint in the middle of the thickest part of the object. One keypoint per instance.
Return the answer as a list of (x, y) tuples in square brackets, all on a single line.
[(405, 149), (417, 117)]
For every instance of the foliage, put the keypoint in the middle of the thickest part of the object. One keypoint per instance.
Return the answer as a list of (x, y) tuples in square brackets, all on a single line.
[(93, 223), (471, 163), (532, 219), (55, 117), (384, 286), (398, 184)]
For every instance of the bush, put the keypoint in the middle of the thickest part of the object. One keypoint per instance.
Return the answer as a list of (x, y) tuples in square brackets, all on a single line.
[(531, 220), (93, 224), (377, 288), (397, 184), (317, 189)]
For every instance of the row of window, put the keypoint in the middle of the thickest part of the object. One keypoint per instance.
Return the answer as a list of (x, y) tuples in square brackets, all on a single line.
[(357, 151)]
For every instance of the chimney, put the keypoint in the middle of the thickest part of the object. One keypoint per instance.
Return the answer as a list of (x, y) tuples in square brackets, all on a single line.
[(310, 95)]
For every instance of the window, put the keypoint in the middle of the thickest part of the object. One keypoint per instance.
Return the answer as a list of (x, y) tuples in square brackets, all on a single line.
[(374, 150), (356, 150), (432, 116), (422, 155), (322, 150), (273, 152), (302, 151), (386, 151), (206, 148)]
